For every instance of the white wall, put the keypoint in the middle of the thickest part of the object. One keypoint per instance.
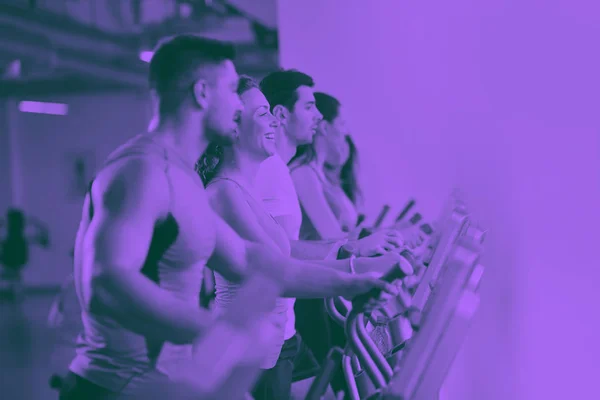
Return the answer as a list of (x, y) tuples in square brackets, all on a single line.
[(500, 99), (96, 124)]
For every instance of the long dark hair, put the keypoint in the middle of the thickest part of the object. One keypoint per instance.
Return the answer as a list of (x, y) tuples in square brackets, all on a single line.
[(209, 165), (305, 154), (349, 174)]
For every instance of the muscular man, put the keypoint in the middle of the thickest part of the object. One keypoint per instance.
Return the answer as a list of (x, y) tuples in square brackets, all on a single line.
[(147, 232)]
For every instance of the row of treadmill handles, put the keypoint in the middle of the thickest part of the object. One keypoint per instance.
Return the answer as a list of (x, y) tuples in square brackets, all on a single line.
[(477, 237)]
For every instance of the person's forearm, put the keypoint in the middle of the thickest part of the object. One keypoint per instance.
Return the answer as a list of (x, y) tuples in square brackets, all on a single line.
[(372, 264), (338, 265), (300, 279), (313, 250), (330, 231), (361, 265), (142, 306), (312, 281)]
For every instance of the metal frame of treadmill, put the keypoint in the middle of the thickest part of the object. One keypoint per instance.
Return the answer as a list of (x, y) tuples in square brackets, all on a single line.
[(447, 316), (458, 224), (454, 222), (372, 361)]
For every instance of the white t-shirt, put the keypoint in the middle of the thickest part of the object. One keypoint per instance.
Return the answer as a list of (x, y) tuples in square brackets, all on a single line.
[(276, 189)]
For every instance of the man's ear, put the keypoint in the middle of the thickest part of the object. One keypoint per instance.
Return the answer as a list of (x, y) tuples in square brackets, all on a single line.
[(200, 90), (281, 113)]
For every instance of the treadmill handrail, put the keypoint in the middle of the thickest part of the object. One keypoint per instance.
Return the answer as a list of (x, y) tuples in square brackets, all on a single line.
[(378, 358), (363, 355), (333, 312), (440, 310), (449, 235)]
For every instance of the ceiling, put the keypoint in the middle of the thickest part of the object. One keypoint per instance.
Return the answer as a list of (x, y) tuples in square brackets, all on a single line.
[(67, 46)]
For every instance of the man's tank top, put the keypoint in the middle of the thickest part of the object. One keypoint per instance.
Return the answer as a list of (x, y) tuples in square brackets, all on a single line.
[(112, 356), (226, 291)]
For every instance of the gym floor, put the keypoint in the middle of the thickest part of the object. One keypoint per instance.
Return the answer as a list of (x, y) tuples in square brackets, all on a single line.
[(30, 352), (28, 349)]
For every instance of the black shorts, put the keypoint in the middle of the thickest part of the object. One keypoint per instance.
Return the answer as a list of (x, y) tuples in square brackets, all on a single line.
[(276, 383), (75, 387)]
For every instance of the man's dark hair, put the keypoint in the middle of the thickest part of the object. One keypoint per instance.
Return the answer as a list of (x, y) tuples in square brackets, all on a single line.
[(327, 105), (280, 87), (175, 64)]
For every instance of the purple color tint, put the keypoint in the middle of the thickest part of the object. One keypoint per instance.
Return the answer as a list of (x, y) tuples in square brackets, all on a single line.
[(497, 98), (501, 100)]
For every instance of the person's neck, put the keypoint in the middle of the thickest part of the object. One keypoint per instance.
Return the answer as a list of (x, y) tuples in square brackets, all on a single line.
[(184, 136), (240, 166), (286, 148)]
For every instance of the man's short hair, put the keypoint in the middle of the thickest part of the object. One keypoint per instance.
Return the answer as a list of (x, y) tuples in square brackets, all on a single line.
[(246, 83), (175, 65), (280, 88)]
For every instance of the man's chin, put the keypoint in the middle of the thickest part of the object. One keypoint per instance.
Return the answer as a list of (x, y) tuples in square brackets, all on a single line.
[(307, 140)]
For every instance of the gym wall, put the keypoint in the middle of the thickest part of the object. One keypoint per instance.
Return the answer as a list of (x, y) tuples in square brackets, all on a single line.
[(499, 99), (5, 183), (47, 147)]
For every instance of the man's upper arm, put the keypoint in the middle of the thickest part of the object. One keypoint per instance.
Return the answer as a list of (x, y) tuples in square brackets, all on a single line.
[(312, 198), (127, 203)]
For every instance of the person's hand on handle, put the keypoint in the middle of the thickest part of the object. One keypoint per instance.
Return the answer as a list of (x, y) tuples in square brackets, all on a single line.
[(378, 243), (411, 237), (379, 265), (413, 281), (376, 295), (354, 234), (360, 284)]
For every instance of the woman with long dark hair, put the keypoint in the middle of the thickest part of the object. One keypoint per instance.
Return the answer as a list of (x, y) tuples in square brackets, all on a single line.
[(327, 213), (328, 167)]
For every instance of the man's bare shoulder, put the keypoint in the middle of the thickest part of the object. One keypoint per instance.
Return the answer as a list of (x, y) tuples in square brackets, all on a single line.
[(133, 168), (136, 179)]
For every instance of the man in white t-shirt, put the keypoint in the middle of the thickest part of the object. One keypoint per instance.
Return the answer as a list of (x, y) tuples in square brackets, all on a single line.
[(276, 189), (291, 97), (290, 94), (279, 196)]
